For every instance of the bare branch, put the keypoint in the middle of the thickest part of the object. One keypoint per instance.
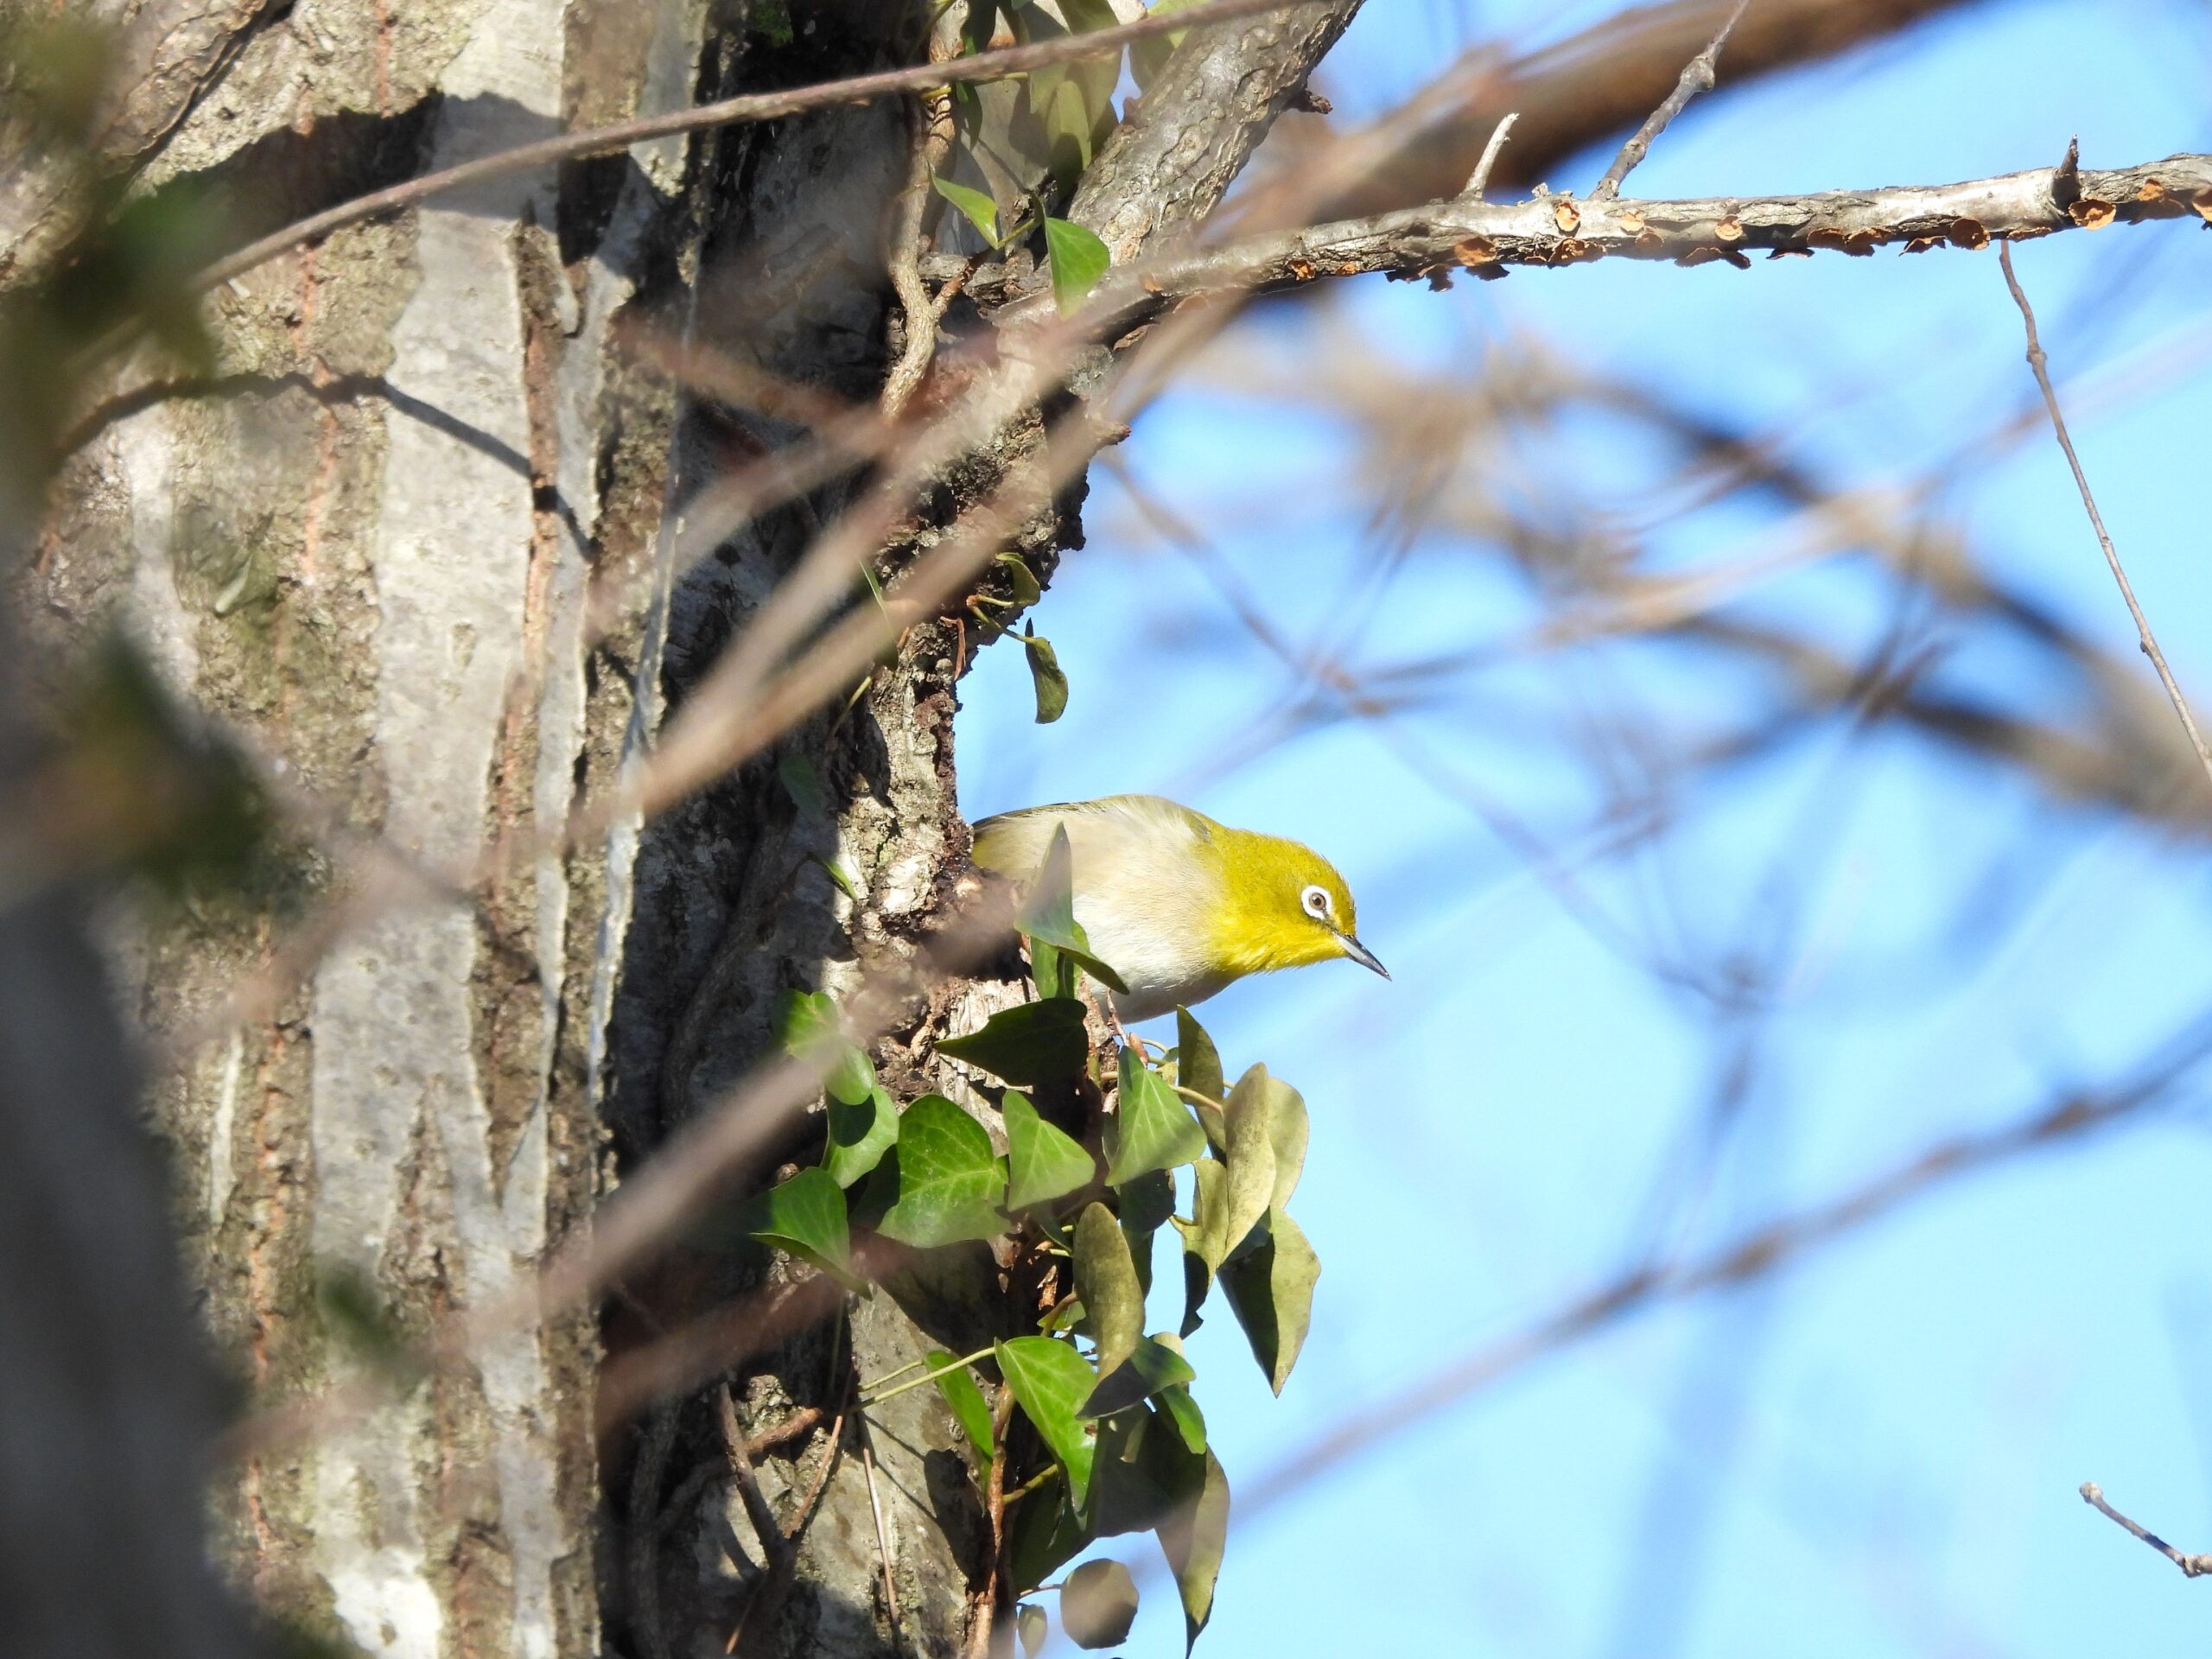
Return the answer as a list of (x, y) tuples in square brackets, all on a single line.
[(2144, 636), (1555, 230), (1582, 90), (1478, 181), (2193, 1566), (1697, 76)]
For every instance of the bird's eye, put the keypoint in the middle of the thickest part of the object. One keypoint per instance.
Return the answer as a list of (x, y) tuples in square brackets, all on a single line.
[(1316, 900)]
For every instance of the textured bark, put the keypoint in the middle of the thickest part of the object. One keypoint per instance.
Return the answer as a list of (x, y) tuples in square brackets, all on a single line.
[(1193, 132), (165, 54), (420, 538), (378, 541)]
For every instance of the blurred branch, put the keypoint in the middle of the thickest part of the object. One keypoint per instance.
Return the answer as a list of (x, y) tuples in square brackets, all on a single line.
[(2193, 1566), (1697, 76), (1763, 1252), (2040, 365), (1582, 90)]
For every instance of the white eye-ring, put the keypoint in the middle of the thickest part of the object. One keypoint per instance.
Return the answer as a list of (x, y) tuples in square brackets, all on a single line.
[(1316, 900)]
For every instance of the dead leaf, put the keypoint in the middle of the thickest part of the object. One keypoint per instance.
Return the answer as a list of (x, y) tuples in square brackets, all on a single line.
[(1920, 245), (1789, 253), (1301, 270), (2092, 212), (1730, 229), (2153, 190), (1826, 237), (1475, 251), (1632, 222), (1649, 240), (2202, 202), (1703, 256), (1571, 249), (1859, 245), (1969, 233), (1566, 215)]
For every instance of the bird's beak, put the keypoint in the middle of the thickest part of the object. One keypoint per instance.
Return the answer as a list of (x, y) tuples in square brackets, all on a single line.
[(1360, 954)]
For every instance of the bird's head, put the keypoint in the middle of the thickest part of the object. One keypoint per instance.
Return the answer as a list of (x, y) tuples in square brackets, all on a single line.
[(1285, 907)]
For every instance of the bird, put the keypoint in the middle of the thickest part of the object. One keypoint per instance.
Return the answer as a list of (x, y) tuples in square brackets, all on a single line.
[(1177, 905)]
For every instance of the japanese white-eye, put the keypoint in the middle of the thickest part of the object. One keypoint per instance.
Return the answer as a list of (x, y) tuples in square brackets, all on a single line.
[(1176, 904)]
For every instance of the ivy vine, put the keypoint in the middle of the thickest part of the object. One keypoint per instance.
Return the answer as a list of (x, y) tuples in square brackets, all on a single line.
[(1105, 1437)]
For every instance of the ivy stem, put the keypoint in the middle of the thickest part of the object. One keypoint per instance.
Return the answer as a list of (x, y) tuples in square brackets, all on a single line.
[(1203, 1100), (1031, 1485), (926, 1376)]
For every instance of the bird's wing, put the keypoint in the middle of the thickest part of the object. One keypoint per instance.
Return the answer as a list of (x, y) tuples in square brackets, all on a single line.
[(1014, 843)]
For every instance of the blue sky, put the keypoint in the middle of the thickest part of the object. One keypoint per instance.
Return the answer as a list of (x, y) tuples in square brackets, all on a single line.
[(1875, 1453)]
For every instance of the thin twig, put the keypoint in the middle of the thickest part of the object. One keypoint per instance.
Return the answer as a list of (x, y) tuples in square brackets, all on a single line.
[(2194, 1566), (882, 1533), (1478, 181), (932, 121), (994, 1501), (730, 112), (766, 1527), (1697, 76), (2144, 636)]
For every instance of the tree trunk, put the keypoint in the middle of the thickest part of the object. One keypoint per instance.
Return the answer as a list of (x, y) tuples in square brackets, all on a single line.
[(421, 535)]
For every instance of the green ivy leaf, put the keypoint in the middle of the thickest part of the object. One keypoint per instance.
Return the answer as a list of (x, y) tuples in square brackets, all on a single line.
[(1210, 1181), (1151, 1367), (806, 1215), (1198, 1068), (1038, 1042), (809, 1028), (958, 1385), (975, 206), (835, 869), (949, 1181), (1030, 1623), (1288, 1130), (1021, 579), (1044, 1162), (1271, 1291), (1047, 916), (1145, 1203), (1048, 678), (1046, 1533), (1079, 259), (859, 1135), (800, 781), (1177, 1406), (1193, 1538), (1152, 1129), (1250, 1156), (1106, 1278), (1098, 1603), (1050, 1380)]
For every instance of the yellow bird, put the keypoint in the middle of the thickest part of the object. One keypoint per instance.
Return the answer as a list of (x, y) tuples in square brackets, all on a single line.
[(1177, 905)]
